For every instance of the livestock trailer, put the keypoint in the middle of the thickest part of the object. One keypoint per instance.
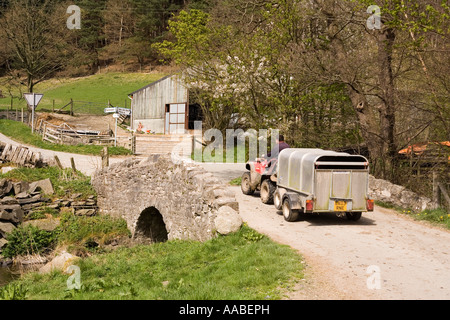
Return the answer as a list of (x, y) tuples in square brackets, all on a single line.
[(316, 180)]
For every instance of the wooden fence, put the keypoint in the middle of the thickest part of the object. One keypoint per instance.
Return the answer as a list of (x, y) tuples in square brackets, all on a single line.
[(20, 155), (64, 134)]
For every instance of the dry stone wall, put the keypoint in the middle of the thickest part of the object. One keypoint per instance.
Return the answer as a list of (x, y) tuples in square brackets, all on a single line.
[(388, 192), (187, 198)]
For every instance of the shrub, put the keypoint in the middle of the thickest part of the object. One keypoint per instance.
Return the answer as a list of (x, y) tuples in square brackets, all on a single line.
[(28, 240), (13, 292), (78, 230)]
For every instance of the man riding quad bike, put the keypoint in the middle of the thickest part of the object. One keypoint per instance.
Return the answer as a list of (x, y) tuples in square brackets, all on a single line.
[(261, 175)]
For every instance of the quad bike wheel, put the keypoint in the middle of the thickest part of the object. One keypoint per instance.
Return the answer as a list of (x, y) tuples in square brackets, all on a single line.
[(267, 191), (245, 184)]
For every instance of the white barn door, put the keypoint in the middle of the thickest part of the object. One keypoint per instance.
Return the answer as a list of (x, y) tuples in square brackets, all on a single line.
[(176, 118)]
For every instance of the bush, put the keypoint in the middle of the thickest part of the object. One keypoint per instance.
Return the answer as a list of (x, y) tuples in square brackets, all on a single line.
[(84, 230), (28, 240), (13, 292)]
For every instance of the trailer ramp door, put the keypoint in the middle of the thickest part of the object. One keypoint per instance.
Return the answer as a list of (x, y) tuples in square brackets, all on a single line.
[(340, 183), (359, 189)]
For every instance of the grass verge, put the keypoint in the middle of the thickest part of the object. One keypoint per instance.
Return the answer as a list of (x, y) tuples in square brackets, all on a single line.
[(241, 266), (439, 216), (22, 134), (64, 181)]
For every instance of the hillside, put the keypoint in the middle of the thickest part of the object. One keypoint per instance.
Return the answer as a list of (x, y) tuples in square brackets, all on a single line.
[(90, 94)]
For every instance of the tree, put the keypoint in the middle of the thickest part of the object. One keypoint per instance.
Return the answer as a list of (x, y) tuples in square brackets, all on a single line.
[(271, 60), (34, 35)]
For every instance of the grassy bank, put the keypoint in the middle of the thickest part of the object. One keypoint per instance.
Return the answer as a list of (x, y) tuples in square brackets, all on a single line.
[(439, 216), (245, 265), (97, 89), (64, 181), (22, 133), (80, 234)]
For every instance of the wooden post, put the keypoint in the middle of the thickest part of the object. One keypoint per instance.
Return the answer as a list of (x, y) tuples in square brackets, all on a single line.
[(105, 158), (72, 162), (71, 107), (133, 143), (436, 193), (443, 192), (22, 114), (17, 110), (53, 106), (44, 131), (59, 163)]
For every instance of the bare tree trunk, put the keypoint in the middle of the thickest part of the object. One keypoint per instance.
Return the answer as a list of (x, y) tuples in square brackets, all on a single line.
[(387, 108)]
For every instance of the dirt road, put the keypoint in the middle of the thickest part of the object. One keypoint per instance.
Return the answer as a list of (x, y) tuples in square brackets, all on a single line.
[(384, 255)]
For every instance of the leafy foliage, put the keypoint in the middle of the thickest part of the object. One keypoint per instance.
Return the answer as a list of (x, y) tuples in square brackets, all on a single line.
[(28, 240)]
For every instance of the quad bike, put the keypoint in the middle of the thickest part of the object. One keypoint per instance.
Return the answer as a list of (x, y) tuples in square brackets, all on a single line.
[(261, 175)]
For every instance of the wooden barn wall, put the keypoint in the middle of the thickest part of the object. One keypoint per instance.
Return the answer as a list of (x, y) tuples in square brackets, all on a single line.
[(150, 102)]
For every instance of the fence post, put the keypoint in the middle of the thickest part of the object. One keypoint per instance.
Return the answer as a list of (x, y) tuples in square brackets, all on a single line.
[(133, 143), (17, 110), (436, 193), (72, 163), (105, 158), (71, 107), (58, 163)]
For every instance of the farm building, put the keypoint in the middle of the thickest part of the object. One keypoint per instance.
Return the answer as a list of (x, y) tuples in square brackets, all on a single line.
[(162, 107)]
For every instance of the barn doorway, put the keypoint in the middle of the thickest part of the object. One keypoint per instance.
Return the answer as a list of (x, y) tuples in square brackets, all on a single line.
[(150, 227), (177, 117)]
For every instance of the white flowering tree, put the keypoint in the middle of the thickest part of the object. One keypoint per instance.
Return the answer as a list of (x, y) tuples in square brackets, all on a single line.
[(228, 76)]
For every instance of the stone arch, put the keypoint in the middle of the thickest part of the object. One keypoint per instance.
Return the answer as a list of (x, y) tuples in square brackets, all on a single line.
[(150, 226), (163, 200)]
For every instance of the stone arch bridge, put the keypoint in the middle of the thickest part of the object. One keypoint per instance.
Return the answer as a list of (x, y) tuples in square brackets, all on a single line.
[(163, 200)]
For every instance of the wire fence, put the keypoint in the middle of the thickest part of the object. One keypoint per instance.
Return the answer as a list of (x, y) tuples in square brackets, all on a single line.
[(69, 107)]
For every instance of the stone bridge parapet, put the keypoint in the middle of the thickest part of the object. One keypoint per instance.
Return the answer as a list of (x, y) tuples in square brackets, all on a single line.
[(162, 200)]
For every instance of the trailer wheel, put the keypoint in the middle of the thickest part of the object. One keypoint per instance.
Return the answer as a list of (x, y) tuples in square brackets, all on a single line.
[(267, 191), (289, 214), (278, 198), (353, 216), (245, 184)]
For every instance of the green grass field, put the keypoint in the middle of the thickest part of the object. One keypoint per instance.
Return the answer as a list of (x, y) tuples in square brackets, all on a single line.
[(242, 266), (97, 90)]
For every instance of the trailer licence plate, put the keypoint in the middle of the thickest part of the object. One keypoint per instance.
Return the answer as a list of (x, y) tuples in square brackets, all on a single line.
[(340, 206)]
